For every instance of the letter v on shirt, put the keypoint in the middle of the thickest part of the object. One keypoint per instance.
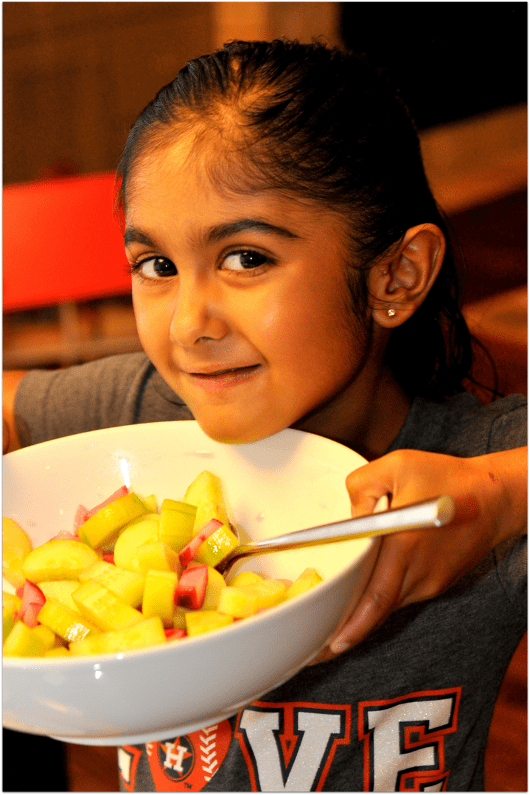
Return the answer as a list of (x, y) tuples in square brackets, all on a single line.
[(290, 747)]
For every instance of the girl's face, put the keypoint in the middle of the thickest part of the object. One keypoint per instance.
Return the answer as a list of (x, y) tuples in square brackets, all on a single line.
[(241, 303)]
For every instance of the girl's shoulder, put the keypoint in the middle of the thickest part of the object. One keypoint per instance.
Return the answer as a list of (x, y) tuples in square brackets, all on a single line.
[(463, 426), (100, 394)]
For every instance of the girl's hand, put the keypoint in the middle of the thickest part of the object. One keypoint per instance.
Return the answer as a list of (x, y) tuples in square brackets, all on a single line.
[(10, 382), (6, 436), (490, 494)]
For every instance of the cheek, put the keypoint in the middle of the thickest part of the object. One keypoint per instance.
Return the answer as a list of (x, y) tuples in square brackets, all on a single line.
[(311, 328), (149, 320)]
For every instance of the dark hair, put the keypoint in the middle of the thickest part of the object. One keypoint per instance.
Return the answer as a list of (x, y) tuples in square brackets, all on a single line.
[(323, 124)]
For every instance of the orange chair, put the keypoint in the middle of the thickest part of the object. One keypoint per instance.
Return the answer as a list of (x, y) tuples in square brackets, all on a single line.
[(61, 246)]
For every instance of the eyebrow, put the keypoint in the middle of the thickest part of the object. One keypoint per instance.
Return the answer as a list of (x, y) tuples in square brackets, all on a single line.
[(222, 231), (133, 235), (219, 232)]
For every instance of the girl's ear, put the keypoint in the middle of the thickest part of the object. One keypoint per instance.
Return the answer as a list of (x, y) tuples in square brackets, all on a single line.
[(399, 283)]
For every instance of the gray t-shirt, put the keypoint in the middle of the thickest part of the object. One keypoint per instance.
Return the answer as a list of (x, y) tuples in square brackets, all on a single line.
[(410, 707)]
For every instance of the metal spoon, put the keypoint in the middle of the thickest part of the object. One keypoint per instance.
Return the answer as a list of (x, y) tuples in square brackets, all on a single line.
[(431, 513)]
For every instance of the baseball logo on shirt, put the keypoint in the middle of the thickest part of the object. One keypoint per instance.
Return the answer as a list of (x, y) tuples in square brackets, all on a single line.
[(187, 763)]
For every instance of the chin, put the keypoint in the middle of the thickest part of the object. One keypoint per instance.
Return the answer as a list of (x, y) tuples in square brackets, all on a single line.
[(236, 432)]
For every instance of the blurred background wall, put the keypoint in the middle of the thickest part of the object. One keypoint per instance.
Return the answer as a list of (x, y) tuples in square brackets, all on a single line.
[(76, 74)]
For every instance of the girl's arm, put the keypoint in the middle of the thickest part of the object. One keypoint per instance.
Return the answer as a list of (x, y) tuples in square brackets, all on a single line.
[(10, 382), (490, 495)]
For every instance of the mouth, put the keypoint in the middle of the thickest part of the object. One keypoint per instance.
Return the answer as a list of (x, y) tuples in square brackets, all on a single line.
[(217, 380), (227, 371)]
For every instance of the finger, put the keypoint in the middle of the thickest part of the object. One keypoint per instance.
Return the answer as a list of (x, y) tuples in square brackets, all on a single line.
[(380, 598), (367, 484), (365, 487)]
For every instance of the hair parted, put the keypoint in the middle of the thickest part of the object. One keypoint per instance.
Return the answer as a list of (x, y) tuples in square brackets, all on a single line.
[(321, 124)]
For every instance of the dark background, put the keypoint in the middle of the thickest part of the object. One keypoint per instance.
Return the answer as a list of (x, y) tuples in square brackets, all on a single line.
[(451, 60)]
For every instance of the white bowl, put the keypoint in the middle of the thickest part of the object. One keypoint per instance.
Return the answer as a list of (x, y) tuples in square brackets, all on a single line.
[(283, 483)]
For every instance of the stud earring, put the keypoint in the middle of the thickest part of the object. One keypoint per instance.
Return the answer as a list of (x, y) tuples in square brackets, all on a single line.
[(391, 312)]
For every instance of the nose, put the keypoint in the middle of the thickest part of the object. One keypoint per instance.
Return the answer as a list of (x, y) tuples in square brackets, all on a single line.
[(196, 313)]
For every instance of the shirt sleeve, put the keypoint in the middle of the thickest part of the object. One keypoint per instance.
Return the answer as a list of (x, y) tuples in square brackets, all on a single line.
[(509, 429), (102, 394), (511, 562), (500, 425)]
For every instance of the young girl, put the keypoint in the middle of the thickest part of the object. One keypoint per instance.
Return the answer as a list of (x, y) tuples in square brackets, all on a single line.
[(290, 268)]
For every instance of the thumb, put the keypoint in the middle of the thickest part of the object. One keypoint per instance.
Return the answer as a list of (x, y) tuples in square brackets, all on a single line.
[(367, 485)]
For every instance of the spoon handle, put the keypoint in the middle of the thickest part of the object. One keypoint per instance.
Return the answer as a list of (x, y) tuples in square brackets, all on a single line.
[(431, 513)]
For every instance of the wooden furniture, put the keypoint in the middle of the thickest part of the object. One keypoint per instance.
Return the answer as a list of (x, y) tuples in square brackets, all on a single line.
[(500, 323)]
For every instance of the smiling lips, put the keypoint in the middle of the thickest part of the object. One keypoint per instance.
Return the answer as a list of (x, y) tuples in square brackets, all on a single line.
[(222, 378), (215, 373)]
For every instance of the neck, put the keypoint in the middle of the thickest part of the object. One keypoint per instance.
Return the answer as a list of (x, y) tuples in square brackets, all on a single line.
[(366, 416), (388, 411)]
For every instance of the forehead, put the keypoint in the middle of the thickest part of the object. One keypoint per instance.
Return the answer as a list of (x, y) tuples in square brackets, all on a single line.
[(163, 164), (201, 182)]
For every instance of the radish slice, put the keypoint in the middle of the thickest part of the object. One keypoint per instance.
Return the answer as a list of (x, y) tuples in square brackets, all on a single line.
[(30, 616), (121, 492), (191, 549), (32, 601), (174, 634), (82, 513), (192, 587)]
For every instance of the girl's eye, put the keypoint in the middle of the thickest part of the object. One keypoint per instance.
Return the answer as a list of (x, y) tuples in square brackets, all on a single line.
[(155, 268), (244, 260)]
